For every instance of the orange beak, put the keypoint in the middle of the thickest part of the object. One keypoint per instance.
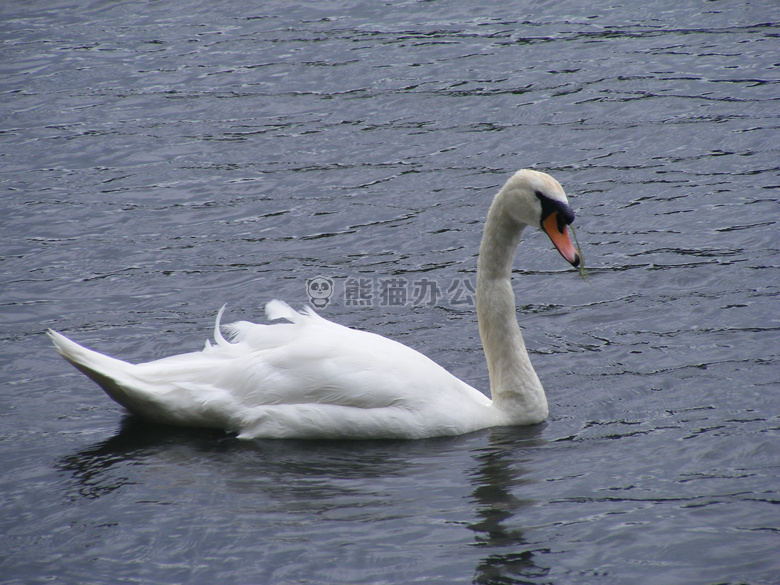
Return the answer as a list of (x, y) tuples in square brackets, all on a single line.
[(560, 238)]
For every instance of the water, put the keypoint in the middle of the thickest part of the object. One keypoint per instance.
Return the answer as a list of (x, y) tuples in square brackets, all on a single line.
[(161, 159)]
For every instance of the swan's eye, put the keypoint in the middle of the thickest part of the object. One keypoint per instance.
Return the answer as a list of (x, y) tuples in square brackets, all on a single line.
[(564, 213)]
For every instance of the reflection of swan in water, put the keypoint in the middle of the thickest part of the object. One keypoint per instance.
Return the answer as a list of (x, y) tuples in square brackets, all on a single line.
[(285, 473), (508, 557), (382, 493), (94, 468), (313, 378)]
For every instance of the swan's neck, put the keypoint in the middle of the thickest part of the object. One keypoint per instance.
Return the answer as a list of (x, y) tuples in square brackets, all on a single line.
[(514, 385)]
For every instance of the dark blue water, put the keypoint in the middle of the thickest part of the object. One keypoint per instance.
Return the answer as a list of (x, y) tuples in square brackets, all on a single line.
[(160, 159)]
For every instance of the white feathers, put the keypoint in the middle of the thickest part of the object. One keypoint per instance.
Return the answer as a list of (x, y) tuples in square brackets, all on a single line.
[(217, 333), (276, 310)]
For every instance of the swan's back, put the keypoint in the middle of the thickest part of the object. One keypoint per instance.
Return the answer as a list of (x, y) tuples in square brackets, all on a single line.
[(306, 378)]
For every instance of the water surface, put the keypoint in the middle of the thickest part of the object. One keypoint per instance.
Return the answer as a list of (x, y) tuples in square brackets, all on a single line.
[(159, 160)]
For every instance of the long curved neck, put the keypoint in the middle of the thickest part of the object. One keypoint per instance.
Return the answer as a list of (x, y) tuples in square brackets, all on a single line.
[(514, 385)]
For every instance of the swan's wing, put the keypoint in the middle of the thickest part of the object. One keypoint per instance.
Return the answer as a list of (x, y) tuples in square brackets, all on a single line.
[(314, 378), (313, 360)]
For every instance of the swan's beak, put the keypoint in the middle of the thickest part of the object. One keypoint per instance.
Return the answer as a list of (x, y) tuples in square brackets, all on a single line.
[(560, 238)]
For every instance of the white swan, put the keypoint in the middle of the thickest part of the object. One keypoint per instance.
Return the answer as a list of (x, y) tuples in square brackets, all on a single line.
[(312, 378)]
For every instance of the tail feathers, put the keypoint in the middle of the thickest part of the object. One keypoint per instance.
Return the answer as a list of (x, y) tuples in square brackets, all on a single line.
[(81, 356), (111, 374)]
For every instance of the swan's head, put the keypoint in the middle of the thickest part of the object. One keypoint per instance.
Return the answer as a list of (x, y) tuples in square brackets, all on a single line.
[(535, 198)]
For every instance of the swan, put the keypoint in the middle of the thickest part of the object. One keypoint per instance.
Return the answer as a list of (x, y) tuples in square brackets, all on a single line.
[(312, 378)]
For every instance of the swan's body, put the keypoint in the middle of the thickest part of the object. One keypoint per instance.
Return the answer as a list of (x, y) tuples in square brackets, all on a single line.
[(312, 378)]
